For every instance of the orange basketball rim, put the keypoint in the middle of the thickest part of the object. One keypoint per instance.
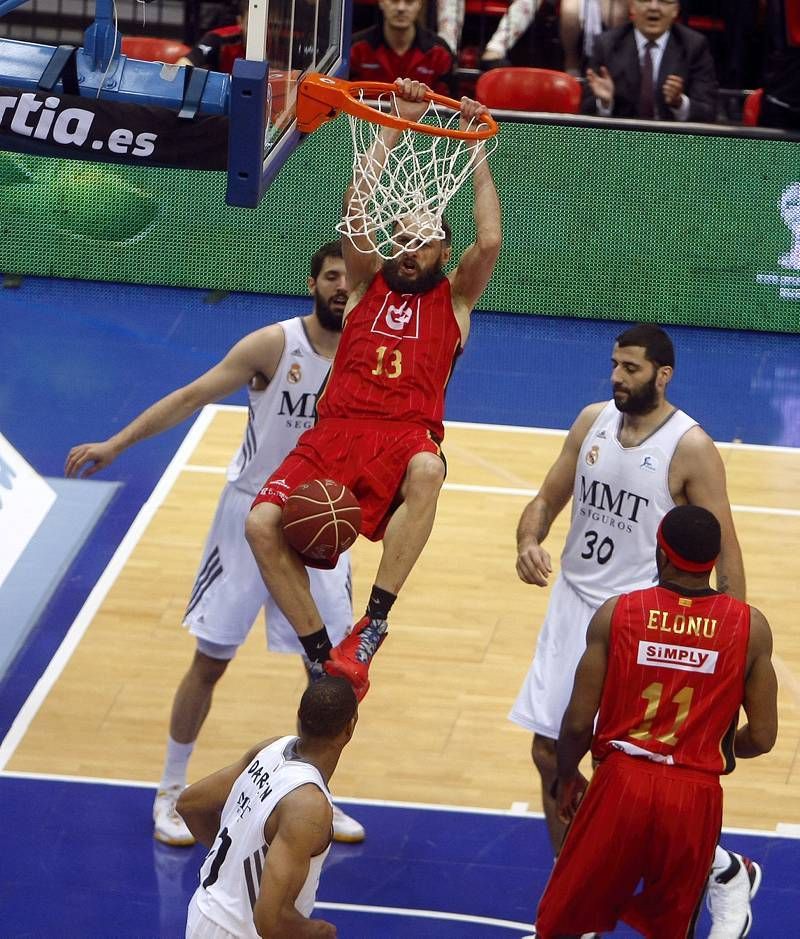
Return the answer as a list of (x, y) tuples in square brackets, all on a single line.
[(321, 97)]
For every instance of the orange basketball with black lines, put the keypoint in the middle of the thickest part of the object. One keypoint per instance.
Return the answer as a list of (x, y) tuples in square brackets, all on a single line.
[(321, 519)]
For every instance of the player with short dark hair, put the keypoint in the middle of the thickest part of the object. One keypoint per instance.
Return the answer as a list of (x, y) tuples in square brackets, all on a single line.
[(380, 425), (397, 45), (657, 345), (268, 822), (625, 463), (283, 367), (668, 668)]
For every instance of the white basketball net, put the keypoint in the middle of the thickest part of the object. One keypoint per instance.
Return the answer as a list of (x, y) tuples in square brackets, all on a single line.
[(400, 194)]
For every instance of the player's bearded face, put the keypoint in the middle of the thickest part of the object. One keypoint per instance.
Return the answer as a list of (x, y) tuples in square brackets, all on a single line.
[(330, 310), (637, 400), (415, 271)]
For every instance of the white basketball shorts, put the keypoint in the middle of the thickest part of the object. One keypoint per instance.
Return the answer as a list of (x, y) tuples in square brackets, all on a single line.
[(547, 687), (199, 926), (228, 592)]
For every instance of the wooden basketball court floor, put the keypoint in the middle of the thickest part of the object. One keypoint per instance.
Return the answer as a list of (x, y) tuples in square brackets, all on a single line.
[(433, 728)]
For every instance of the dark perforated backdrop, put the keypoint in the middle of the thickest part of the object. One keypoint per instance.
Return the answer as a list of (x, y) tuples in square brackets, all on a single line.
[(597, 223)]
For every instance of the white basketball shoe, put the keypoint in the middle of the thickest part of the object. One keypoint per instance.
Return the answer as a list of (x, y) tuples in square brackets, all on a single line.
[(346, 829), (728, 897), (168, 826)]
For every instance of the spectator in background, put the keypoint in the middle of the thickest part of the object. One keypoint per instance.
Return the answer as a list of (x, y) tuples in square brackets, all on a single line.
[(219, 48), (298, 47), (652, 68), (580, 22), (398, 47), (781, 104)]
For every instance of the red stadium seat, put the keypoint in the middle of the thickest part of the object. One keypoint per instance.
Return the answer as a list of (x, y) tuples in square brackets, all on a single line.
[(793, 22), (153, 49), (706, 24), (486, 7), (471, 7), (751, 112), (529, 89)]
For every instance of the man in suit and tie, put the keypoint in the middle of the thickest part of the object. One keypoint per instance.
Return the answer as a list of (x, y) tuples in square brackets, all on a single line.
[(652, 68)]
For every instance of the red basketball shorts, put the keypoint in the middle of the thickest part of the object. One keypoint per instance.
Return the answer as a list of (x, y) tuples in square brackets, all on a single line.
[(641, 825), (369, 457)]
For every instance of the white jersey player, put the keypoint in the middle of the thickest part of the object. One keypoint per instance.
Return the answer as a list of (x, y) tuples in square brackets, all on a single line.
[(229, 593), (625, 463), (283, 367), (267, 821), (619, 496)]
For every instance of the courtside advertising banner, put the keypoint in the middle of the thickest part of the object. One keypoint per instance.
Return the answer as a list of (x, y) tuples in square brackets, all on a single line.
[(600, 223), (73, 126)]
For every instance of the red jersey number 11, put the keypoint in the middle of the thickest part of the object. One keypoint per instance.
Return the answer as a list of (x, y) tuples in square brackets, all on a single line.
[(652, 694)]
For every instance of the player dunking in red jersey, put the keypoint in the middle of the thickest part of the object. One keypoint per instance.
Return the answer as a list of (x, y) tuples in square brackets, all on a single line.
[(380, 416), (389, 336), (669, 667)]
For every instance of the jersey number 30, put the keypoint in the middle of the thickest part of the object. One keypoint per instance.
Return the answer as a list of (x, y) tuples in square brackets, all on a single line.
[(601, 551)]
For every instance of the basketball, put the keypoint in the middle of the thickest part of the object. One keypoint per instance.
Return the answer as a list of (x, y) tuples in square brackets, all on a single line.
[(321, 519)]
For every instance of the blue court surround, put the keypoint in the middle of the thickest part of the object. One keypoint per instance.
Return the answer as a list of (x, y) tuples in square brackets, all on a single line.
[(80, 861), (79, 360)]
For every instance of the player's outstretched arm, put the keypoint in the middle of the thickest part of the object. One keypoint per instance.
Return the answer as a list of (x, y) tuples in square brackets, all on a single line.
[(533, 563), (760, 693), (478, 262), (577, 725), (304, 830), (257, 353), (706, 486), (358, 250)]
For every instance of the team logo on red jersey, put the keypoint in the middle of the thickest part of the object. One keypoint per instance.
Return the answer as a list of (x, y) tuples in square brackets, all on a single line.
[(683, 658), (398, 319)]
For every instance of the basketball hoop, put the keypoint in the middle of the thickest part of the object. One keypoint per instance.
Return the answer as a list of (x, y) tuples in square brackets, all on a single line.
[(400, 191)]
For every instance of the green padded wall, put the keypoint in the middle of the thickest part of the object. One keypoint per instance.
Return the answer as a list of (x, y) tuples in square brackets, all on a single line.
[(597, 223)]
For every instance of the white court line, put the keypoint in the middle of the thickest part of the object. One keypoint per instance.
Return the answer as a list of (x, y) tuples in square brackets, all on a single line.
[(89, 780), (782, 829), (93, 602), (515, 491), (531, 493), (553, 432), (425, 914)]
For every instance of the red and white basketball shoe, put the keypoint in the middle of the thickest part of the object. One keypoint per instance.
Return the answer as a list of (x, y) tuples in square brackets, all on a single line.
[(351, 658)]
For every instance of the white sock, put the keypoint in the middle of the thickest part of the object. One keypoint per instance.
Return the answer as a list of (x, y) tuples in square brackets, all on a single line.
[(176, 764), (722, 861)]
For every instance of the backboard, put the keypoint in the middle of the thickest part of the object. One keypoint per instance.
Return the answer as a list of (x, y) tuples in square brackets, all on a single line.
[(285, 39)]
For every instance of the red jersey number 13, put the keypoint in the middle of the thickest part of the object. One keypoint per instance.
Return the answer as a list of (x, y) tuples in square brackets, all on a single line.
[(393, 367)]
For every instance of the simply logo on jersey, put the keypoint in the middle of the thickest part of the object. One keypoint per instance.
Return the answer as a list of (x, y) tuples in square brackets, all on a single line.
[(593, 456), (683, 658), (294, 375), (649, 463), (788, 285), (394, 318)]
